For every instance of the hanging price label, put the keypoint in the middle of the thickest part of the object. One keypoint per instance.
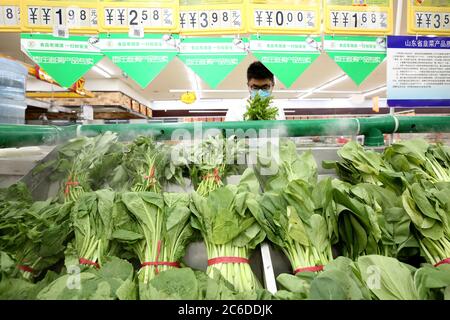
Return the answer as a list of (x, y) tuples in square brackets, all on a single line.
[(153, 17), (204, 18), (359, 17), (44, 16), (429, 17), (9, 16), (285, 18)]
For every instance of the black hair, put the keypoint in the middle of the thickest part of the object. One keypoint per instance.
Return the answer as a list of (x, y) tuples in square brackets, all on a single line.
[(259, 71)]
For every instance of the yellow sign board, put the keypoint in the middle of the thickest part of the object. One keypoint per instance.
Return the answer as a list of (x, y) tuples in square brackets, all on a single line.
[(151, 16), (46, 15), (284, 17), (429, 17), (9, 15), (208, 17), (365, 17)]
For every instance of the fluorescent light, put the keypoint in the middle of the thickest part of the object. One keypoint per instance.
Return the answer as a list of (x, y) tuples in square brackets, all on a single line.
[(380, 89), (206, 111), (101, 72), (324, 86)]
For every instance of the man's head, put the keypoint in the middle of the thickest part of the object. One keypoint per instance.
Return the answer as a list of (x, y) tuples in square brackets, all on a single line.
[(260, 80)]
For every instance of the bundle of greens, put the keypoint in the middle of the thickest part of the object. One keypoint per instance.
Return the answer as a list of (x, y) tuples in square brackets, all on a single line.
[(340, 280), (358, 164), (156, 229), (428, 206), (115, 280), (148, 165), (34, 234), (391, 218), (229, 231), (419, 159), (277, 166), (299, 219), (187, 284), (210, 162), (259, 108), (93, 225), (78, 179)]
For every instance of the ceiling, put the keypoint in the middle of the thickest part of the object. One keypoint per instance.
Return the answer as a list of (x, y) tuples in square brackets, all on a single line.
[(176, 78)]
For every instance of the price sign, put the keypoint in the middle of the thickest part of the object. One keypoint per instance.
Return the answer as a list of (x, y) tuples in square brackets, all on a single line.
[(429, 17), (285, 18), (211, 17), (44, 16), (370, 17), (153, 16), (9, 16)]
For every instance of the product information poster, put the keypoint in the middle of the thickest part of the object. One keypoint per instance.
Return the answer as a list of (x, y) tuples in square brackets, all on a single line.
[(418, 69)]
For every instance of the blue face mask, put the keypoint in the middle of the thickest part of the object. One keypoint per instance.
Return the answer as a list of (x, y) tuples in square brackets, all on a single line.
[(262, 93)]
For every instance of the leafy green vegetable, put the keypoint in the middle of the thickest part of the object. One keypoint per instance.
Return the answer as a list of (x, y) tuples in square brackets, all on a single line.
[(115, 280), (387, 278), (156, 228), (93, 226), (259, 108), (229, 229), (303, 229)]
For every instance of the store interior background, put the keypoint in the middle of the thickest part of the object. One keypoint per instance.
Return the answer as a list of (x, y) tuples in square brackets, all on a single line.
[(322, 91)]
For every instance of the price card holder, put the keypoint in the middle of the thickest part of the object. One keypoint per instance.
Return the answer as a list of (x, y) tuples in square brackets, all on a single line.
[(119, 17), (42, 16), (359, 17), (9, 15), (212, 19), (284, 19), (427, 19)]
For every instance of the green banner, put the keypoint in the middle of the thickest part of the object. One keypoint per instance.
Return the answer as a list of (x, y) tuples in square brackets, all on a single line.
[(212, 59), (358, 57), (142, 59), (287, 57), (65, 60)]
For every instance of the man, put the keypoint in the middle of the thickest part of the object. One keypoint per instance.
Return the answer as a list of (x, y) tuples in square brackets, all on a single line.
[(259, 81)]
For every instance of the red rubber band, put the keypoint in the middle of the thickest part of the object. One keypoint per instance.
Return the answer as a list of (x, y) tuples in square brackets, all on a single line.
[(26, 268), (89, 262), (308, 269), (69, 184), (445, 261), (151, 174), (219, 260), (161, 263)]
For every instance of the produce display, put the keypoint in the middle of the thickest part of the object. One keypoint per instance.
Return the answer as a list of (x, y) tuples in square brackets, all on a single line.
[(379, 231)]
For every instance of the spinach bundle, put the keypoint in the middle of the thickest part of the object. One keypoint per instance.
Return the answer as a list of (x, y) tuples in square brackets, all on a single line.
[(358, 164), (155, 228), (34, 234), (340, 280), (210, 162), (93, 225), (115, 280), (148, 165), (259, 108), (78, 179), (419, 158), (299, 219), (187, 284), (279, 166), (428, 206), (229, 231)]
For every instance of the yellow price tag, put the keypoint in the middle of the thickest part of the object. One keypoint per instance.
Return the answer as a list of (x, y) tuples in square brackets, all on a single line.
[(9, 15), (45, 16), (284, 17), (366, 17), (429, 17), (152, 16), (203, 17)]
